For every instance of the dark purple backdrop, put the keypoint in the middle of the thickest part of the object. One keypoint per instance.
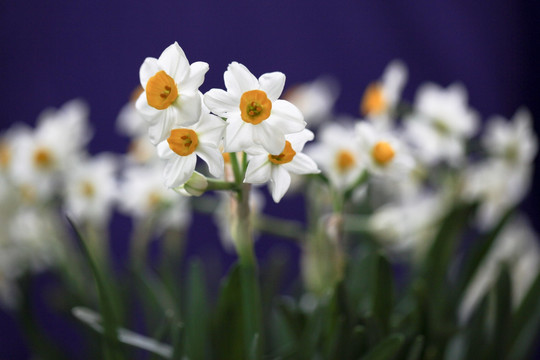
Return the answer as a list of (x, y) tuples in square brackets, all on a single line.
[(53, 51)]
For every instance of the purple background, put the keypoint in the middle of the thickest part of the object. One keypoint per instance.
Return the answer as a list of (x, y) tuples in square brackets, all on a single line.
[(53, 51)]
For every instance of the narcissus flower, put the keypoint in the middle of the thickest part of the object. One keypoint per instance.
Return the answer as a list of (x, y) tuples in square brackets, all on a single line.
[(264, 166), (171, 92), (383, 152), (381, 97), (255, 114), (338, 155), (185, 143)]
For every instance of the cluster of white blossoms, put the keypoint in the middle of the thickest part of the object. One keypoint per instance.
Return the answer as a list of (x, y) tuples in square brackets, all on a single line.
[(248, 117)]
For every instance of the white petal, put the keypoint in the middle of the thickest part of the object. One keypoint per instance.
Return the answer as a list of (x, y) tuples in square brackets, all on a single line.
[(188, 109), (272, 84), (148, 69), (213, 157), (164, 151), (179, 170), (221, 102), (160, 129), (281, 180), (148, 112), (302, 164), (269, 137), (238, 79), (258, 170), (174, 62), (299, 139), (286, 117), (196, 77), (210, 128), (238, 135)]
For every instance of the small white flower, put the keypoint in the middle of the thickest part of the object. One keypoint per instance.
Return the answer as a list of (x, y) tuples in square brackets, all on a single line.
[(383, 153), (497, 186), (513, 141), (253, 111), (263, 166), (382, 97), (441, 123), (91, 189), (171, 92), (337, 153), (184, 144), (314, 99), (517, 247)]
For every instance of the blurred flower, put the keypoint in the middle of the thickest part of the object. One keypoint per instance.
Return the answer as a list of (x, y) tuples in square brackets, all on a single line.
[(336, 152), (384, 154), (184, 144), (263, 166), (512, 141), (314, 99), (253, 111), (382, 97), (171, 97), (497, 186), (517, 247), (440, 124), (91, 189)]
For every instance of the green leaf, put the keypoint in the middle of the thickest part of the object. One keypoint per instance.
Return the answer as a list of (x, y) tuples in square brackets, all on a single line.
[(383, 293), (196, 319), (415, 351), (386, 349), (111, 345), (502, 294)]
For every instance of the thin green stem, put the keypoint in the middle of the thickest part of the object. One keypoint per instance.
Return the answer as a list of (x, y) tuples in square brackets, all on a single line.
[(215, 184), (236, 168)]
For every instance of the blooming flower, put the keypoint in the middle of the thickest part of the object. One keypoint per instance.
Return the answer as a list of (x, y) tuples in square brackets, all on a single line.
[(514, 141), (381, 98), (185, 143), (264, 166), (171, 97), (338, 155), (91, 189), (253, 110), (384, 153), (441, 123)]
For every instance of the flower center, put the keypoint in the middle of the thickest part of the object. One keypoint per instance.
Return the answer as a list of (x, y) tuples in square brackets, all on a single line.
[(286, 155), (5, 155), (154, 199), (161, 91), (183, 141), (88, 189), (383, 152), (345, 160), (43, 158), (373, 102), (255, 106)]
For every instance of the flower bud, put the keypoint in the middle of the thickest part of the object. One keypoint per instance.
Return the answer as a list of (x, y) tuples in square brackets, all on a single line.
[(195, 186)]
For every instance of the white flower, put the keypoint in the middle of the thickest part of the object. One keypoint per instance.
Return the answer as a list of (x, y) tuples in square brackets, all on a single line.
[(314, 99), (337, 153), (186, 143), (142, 195), (382, 97), (253, 111), (91, 189), (264, 166), (517, 247), (171, 92), (441, 123), (497, 186), (129, 121), (383, 153), (513, 141)]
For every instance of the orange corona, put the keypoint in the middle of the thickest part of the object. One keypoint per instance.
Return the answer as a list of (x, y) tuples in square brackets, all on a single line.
[(183, 141), (286, 155), (161, 91), (255, 106)]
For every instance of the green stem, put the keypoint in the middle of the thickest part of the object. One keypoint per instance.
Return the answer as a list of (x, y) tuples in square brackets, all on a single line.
[(292, 230), (215, 184), (236, 168)]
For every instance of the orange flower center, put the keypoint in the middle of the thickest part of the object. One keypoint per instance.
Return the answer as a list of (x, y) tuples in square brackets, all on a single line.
[(43, 158), (255, 106), (154, 199), (373, 102), (183, 141), (5, 155), (88, 189), (286, 155), (383, 152), (161, 91), (345, 160)]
